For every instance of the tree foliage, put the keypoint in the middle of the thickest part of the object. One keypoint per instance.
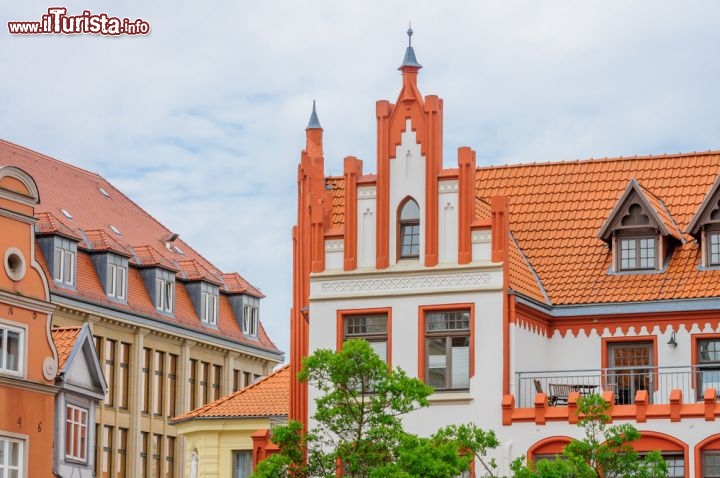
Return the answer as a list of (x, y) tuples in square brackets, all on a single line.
[(604, 452), (359, 426)]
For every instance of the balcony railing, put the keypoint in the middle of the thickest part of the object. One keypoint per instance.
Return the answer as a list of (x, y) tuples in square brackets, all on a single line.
[(692, 380)]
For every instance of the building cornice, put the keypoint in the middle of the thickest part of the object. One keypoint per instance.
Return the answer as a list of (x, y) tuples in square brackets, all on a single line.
[(29, 303), (156, 325), (21, 383), (402, 281)]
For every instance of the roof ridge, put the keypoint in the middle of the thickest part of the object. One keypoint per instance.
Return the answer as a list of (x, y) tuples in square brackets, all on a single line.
[(600, 160), (66, 327), (55, 160), (532, 269), (665, 208)]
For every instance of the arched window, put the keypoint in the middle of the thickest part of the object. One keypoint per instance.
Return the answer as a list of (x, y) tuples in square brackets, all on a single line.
[(409, 229)]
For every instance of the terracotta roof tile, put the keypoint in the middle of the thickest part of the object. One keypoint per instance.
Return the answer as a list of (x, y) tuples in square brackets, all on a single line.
[(64, 338), (143, 238), (268, 397), (571, 262)]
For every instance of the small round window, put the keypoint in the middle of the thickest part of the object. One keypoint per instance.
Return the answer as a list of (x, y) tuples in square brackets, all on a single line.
[(14, 262)]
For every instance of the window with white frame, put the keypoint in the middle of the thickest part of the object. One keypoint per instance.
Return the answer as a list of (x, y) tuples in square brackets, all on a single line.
[(117, 281), (209, 306), (11, 457), (64, 262), (76, 433), (164, 289), (11, 349), (250, 320), (447, 349)]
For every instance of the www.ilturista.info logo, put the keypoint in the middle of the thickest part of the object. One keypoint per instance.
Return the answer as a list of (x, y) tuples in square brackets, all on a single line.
[(58, 22)]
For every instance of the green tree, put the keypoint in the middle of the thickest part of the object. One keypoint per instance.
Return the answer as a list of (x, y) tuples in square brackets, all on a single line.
[(605, 451), (358, 421)]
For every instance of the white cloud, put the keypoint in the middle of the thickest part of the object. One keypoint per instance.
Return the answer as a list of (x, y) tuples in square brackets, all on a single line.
[(202, 121)]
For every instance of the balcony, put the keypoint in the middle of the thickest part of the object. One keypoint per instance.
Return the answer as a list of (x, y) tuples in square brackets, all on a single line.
[(624, 383)]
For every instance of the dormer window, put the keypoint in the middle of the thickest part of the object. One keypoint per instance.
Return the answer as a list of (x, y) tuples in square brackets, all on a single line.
[(209, 304), (705, 226), (61, 256), (640, 231), (409, 230), (160, 284), (64, 262), (250, 320), (117, 281), (164, 289)]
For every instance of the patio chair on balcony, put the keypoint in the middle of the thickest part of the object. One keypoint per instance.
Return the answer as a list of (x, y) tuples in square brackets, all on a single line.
[(559, 393)]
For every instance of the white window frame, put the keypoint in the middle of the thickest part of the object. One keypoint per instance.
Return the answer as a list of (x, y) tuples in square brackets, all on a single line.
[(117, 281), (209, 308), (246, 319), (76, 428), (4, 329), (5, 466), (64, 270), (164, 292), (254, 321)]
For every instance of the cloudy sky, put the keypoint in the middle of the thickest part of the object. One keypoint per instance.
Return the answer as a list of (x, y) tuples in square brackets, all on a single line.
[(202, 121)]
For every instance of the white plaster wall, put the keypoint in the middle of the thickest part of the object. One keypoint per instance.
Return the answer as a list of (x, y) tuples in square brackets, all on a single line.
[(366, 226), (448, 221), (404, 292), (481, 244), (407, 178), (334, 254), (78, 372)]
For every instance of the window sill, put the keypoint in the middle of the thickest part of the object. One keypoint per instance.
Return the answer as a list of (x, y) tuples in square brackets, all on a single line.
[(448, 398)]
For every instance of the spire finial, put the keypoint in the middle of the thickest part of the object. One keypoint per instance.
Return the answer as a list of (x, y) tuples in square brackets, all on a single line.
[(410, 59), (314, 122)]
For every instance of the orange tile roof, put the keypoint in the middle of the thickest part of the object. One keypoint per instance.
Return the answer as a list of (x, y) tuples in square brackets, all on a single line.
[(557, 210), (64, 338), (137, 234), (268, 397)]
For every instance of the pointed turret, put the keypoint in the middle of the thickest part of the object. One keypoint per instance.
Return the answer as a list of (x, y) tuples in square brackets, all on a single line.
[(314, 122)]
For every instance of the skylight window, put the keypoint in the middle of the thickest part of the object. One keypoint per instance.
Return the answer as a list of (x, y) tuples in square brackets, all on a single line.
[(178, 250), (115, 230), (104, 193), (66, 214)]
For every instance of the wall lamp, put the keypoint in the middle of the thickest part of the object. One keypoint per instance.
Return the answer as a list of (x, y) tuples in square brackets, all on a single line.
[(672, 342)]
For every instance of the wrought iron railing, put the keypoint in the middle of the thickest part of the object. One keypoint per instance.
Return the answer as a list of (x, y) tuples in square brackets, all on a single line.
[(692, 380)]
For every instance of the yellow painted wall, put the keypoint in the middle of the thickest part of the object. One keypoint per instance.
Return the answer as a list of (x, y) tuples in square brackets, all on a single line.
[(215, 440)]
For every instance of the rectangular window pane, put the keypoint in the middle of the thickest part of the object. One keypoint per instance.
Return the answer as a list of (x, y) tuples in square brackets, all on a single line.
[(143, 454), (447, 349), (204, 385), (110, 371), (107, 452), (714, 249), (11, 351), (216, 377), (436, 362), (158, 383), (242, 464), (157, 456), (192, 389), (460, 361), (172, 385), (711, 464), (121, 457), (123, 376), (145, 383), (372, 328), (169, 457)]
